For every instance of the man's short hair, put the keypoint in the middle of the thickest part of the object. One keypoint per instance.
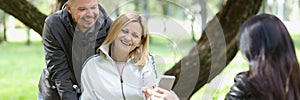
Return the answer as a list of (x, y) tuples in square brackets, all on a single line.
[(71, 1)]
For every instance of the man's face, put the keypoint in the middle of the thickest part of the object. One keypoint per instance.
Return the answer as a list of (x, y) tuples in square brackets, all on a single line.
[(84, 13)]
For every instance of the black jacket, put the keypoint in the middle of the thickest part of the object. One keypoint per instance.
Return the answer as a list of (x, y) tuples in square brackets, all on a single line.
[(240, 89), (66, 49)]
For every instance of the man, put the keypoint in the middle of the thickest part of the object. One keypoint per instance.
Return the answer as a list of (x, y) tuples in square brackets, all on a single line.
[(70, 36)]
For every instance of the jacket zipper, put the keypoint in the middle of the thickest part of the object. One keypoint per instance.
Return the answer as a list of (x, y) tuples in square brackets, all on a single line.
[(121, 80)]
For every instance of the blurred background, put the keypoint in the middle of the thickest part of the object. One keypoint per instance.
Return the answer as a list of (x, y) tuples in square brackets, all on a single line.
[(175, 27)]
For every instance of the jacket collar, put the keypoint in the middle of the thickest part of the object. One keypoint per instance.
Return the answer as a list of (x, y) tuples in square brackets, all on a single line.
[(105, 49)]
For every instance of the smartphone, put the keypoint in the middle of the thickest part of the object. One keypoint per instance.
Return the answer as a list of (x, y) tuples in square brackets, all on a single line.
[(166, 82)]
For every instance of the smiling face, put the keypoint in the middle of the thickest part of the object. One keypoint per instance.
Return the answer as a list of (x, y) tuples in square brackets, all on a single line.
[(129, 37), (84, 13)]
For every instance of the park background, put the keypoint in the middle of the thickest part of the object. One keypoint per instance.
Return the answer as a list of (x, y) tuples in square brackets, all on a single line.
[(22, 54)]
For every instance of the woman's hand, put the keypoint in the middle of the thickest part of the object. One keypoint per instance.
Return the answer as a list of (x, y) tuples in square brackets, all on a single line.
[(157, 93)]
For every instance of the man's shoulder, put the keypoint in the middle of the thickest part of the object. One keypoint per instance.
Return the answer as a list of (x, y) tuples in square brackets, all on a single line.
[(56, 16)]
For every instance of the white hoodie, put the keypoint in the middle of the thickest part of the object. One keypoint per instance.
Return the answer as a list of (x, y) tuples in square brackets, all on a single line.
[(101, 80)]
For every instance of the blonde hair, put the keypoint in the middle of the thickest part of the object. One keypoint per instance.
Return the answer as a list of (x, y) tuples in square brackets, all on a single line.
[(140, 53)]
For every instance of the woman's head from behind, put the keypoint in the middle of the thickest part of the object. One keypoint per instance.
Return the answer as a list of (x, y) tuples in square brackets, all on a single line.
[(265, 35), (128, 33), (270, 51)]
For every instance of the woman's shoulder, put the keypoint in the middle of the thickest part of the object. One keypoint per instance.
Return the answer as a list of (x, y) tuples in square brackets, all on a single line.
[(92, 59), (151, 65), (151, 59), (241, 77), (240, 88)]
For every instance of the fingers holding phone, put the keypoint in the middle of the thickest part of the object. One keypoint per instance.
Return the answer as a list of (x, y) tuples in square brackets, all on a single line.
[(162, 90), (158, 93)]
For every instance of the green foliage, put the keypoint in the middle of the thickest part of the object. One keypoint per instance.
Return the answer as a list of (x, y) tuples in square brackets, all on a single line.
[(1, 37), (19, 24), (168, 52), (214, 5), (177, 9), (1, 16)]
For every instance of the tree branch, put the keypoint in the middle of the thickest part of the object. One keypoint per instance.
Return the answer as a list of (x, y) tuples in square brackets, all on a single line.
[(25, 12), (215, 49)]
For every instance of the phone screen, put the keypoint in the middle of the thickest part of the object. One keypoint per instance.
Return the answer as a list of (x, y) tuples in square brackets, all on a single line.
[(166, 82)]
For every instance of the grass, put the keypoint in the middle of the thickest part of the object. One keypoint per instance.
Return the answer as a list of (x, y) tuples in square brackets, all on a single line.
[(21, 67)]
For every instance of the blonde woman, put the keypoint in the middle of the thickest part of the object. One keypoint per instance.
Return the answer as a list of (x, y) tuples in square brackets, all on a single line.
[(123, 65)]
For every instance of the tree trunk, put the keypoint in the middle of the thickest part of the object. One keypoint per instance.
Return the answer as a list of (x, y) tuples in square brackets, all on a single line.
[(164, 6), (215, 49), (28, 36), (4, 27), (25, 12), (145, 10), (264, 5)]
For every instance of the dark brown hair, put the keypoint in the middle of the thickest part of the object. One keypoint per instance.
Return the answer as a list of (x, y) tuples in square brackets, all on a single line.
[(274, 68)]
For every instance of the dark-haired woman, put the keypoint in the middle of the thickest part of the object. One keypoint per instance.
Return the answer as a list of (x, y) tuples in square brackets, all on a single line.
[(273, 67)]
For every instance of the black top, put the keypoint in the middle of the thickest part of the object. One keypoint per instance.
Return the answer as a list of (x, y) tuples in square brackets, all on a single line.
[(240, 88)]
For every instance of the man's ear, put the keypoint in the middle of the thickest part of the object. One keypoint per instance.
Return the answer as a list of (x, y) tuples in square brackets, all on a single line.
[(68, 7)]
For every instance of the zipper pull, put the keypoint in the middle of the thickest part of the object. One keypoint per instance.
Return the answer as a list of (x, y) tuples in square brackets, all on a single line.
[(121, 79)]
